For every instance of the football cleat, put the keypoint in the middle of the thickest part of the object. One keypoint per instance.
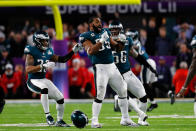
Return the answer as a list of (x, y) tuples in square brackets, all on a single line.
[(128, 122), (142, 117), (172, 97), (50, 120), (61, 123), (152, 106), (143, 123), (96, 125), (2, 103)]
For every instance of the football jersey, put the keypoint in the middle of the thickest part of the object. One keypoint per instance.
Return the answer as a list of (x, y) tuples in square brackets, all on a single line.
[(40, 57), (104, 56), (193, 42), (121, 58)]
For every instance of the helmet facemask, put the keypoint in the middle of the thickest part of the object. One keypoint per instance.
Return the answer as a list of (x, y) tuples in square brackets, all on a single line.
[(41, 40), (115, 33)]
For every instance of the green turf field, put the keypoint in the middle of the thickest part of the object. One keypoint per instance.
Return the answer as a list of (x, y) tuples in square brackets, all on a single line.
[(30, 117)]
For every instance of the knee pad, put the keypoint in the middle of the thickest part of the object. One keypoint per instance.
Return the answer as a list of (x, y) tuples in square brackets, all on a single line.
[(100, 95), (143, 99), (122, 93), (44, 91), (61, 101), (98, 101)]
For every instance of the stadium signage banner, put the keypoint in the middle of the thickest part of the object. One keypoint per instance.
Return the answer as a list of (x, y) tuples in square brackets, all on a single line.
[(145, 7)]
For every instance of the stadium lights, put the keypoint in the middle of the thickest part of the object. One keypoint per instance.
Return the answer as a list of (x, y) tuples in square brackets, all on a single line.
[(55, 3)]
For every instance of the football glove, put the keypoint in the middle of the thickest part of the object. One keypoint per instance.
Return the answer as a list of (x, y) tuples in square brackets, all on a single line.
[(77, 47), (104, 37), (48, 65)]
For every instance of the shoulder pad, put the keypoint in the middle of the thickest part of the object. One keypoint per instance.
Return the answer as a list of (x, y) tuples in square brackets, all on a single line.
[(28, 49), (84, 36)]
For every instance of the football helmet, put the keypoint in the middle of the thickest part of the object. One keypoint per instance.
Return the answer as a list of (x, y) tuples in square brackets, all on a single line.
[(115, 28), (134, 35), (41, 40), (79, 119)]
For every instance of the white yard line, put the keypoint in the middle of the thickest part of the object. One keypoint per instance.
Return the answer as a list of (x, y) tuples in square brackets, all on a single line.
[(159, 116)]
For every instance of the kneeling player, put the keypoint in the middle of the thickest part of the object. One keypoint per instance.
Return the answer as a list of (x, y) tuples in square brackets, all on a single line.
[(121, 56), (38, 59)]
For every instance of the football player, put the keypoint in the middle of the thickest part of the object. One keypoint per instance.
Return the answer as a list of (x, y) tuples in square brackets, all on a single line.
[(39, 58), (191, 72), (121, 55), (97, 43), (148, 78)]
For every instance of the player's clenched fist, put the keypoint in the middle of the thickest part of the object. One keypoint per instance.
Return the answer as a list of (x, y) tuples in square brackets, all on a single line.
[(104, 37), (48, 65), (77, 47)]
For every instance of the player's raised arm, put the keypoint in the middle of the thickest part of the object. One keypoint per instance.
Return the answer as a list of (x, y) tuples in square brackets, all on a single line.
[(141, 60), (65, 58)]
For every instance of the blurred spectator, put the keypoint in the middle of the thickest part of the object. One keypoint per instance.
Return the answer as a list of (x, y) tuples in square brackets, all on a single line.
[(51, 33), (65, 30), (180, 77), (49, 74), (164, 78), (30, 36), (143, 37), (163, 44), (188, 28), (17, 45), (87, 88), (4, 43), (173, 68), (4, 59), (152, 33), (10, 81), (183, 55), (136, 69), (76, 79)]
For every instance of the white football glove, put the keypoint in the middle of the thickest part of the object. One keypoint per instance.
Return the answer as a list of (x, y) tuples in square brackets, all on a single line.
[(48, 65), (104, 37), (77, 47), (121, 38)]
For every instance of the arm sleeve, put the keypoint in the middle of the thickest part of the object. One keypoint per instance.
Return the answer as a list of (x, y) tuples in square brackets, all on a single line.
[(63, 59)]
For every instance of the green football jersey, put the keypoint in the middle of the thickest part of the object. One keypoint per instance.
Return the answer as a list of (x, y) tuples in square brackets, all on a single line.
[(40, 57), (104, 56)]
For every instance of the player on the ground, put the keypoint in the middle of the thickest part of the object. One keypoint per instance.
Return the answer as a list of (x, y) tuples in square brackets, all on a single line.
[(97, 42), (148, 78), (121, 56), (39, 58), (191, 72)]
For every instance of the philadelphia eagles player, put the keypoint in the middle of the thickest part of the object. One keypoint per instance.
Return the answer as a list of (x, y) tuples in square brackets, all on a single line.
[(97, 42), (148, 78), (121, 55), (191, 72), (39, 58)]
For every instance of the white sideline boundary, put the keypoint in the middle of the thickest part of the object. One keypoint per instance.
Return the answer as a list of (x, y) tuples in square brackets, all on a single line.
[(84, 101)]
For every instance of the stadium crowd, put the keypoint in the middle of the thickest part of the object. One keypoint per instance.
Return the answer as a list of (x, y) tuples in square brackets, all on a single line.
[(159, 40)]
